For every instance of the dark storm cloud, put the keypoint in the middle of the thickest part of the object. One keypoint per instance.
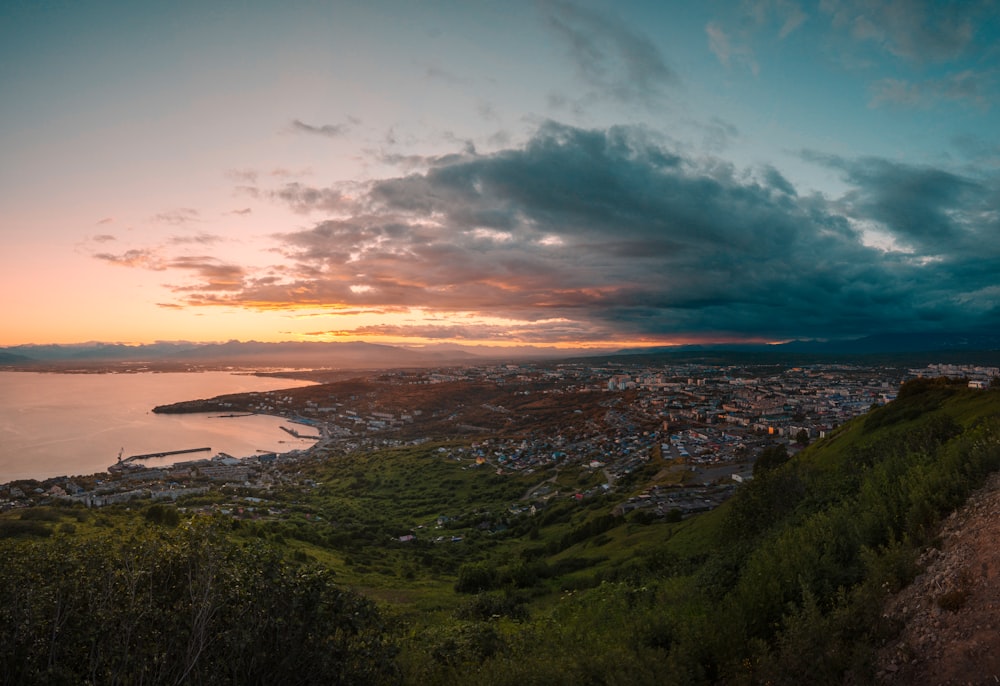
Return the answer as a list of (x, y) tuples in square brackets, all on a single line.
[(611, 57), (931, 211), (612, 233)]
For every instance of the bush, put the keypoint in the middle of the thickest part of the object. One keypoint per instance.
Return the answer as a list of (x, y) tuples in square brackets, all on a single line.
[(40, 514), (489, 606), (475, 577), (10, 528), (184, 606), (165, 515)]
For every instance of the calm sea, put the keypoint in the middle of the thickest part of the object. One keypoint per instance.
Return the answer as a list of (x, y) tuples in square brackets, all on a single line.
[(70, 424)]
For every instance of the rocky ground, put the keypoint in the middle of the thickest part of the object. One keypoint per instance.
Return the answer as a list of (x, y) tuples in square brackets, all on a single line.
[(951, 613)]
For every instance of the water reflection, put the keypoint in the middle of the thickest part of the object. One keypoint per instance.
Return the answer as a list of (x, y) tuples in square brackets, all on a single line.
[(66, 424)]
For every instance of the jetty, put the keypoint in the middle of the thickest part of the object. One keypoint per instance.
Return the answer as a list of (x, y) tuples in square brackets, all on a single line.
[(166, 453), (295, 433)]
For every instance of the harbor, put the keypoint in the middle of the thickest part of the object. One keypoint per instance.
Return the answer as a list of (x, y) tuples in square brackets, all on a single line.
[(97, 414), (132, 461)]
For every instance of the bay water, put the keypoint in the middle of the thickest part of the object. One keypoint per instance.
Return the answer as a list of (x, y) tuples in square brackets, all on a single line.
[(77, 424)]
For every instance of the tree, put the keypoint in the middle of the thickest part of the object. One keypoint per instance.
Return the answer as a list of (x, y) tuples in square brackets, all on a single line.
[(184, 605), (770, 458)]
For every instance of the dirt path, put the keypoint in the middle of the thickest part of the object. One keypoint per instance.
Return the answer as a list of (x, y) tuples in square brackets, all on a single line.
[(951, 612)]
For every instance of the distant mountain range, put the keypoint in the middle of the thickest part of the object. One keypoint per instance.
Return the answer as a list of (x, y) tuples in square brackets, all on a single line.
[(339, 355), (346, 355), (877, 344), (360, 355)]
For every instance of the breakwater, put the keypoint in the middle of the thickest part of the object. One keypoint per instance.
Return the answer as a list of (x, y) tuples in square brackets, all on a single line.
[(295, 433), (166, 453)]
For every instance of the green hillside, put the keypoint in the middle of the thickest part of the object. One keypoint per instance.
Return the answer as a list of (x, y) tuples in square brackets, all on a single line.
[(417, 565)]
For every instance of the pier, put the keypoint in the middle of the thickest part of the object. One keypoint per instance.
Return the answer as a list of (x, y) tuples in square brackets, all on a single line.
[(295, 433), (166, 453)]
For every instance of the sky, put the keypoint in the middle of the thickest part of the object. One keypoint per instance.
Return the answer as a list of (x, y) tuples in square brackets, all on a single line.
[(544, 173)]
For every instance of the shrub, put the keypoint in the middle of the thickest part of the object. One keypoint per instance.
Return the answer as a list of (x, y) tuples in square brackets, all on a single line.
[(475, 577)]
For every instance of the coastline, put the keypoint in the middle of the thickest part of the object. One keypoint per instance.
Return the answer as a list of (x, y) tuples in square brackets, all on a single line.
[(54, 425), (128, 480)]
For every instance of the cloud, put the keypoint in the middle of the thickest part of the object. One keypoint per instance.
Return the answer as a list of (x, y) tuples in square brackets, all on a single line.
[(916, 30), (304, 199), (615, 233), (788, 14), (103, 238), (179, 216), (243, 175), (433, 72), (933, 212), (327, 130), (349, 312), (281, 172), (718, 43), (725, 50), (969, 87), (136, 257), (620, 234), (732, 43), (793, 19), (212, 274), (611, 57), (199, 239), (978, 150), (544, 332)]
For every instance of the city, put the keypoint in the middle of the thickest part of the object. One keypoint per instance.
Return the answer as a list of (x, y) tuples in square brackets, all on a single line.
[(668, 439)]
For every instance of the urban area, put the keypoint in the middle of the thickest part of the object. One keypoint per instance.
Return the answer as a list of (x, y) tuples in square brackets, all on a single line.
[(692, 430)]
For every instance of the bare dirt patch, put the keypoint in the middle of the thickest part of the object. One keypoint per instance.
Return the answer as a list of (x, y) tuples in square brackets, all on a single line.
[(950, 614)]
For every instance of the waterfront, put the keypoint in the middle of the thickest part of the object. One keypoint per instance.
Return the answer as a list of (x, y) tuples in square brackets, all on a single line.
[(70, 424)]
